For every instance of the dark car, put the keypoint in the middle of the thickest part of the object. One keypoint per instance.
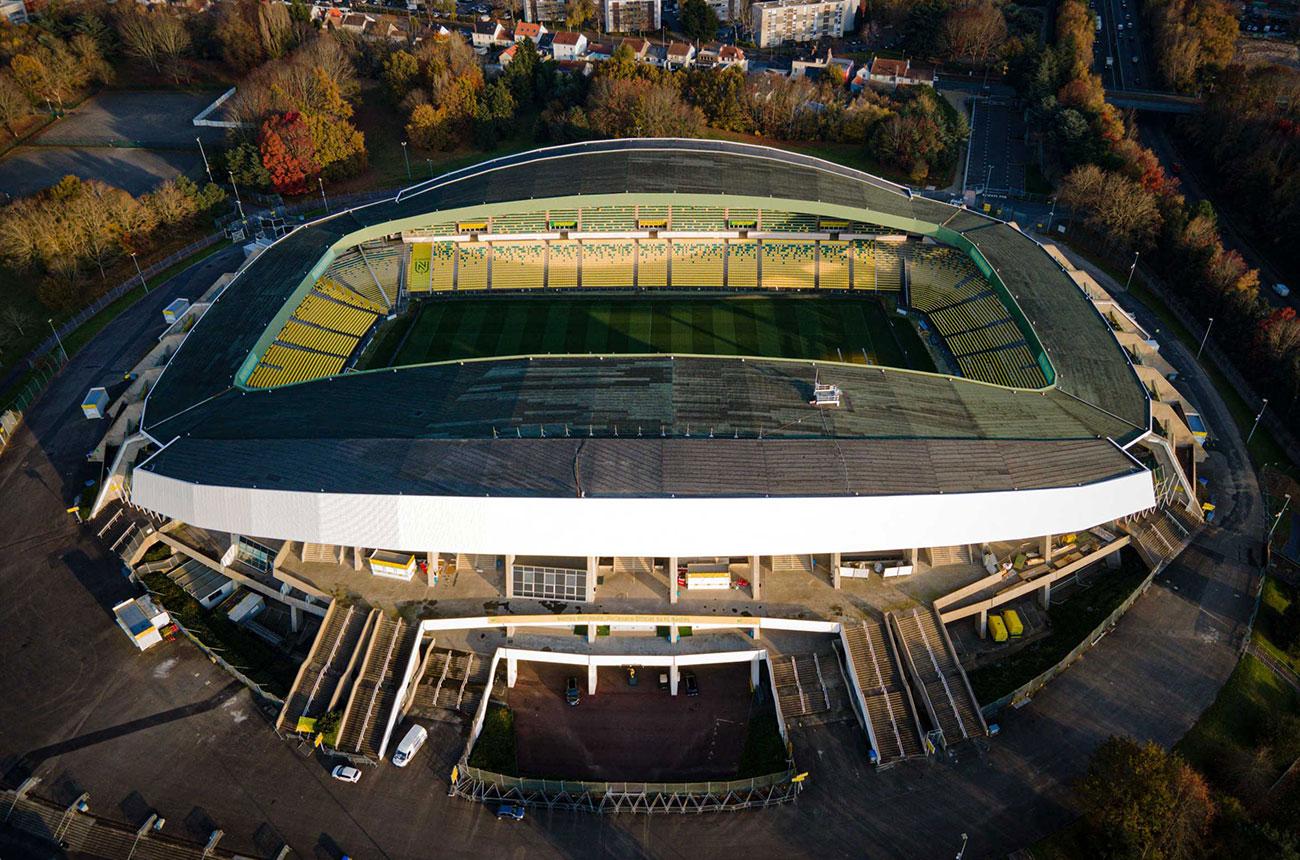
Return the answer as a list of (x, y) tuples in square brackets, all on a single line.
[(571, 692), (513, 811), (692, 685)]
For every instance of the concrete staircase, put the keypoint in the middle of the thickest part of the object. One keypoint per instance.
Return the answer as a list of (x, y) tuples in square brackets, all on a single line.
[(800, 687), (453, 684), (936, 674), (888, 702), (375, 692), (945, 555), (1159, 534), (792, 564), (326, 665)]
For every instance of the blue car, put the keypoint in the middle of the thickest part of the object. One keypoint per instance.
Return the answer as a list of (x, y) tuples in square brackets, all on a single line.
[(571, 693), (513, 811)]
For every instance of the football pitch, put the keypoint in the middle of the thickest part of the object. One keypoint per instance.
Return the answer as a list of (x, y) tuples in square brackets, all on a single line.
[(859, 330)]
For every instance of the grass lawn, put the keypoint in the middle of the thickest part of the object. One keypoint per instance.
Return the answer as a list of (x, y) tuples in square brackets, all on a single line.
[(1249, 735), (811, 327), (1071, 621), (1277, 596), (764, 751), (495, 748)]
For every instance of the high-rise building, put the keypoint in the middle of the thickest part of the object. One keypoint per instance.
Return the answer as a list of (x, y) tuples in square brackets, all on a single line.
[(632, 16), (778, 21)]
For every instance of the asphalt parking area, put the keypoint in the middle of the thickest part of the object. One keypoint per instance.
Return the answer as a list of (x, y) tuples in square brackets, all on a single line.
[(626, 733)]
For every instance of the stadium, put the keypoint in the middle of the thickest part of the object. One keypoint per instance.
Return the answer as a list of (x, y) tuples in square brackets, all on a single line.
[(679, 396)]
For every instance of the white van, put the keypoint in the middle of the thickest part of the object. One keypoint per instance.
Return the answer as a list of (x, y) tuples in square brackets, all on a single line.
[(410, 745)]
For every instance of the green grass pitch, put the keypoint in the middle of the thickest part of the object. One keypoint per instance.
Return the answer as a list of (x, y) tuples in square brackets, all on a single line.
[(858, 330)]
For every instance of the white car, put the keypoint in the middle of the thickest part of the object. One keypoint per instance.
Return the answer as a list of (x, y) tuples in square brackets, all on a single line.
[(1282, 290), (346, 774)]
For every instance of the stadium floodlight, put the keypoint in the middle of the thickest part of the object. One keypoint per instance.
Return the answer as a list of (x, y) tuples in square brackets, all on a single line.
[(1204, 338), (1255, 426), (1277, 519), (1131, 267), (407, 159)]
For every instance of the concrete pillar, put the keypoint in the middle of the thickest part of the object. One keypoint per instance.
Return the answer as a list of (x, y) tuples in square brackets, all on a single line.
[(591, 679), (512, 671), (593, 567), (1045, 596), (510, 576), (591, 632), (755, 571), (295, 619), (835, 570), (754, 670), (673, 678), (756, 632), (672, 579), (984, 623), (674, 632), (1047, 548), (911, 556), (357, 553), (510, 631)]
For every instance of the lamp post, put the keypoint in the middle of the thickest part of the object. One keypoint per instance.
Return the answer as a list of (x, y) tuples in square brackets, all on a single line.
[(961, 852), (1277, 518), (1131, 268), (430, 160), (1204, 338), (1051, 213), (206, 166), (143, 283), (406, 158), (58, 339), (238, 202), (1255, 426), (324, 199)]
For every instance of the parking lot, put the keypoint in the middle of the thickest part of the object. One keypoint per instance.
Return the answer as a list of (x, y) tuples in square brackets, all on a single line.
[(997, 148), (628, 732)]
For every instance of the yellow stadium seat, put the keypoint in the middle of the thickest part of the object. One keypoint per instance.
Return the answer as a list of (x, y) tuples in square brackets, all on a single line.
[(562, 265), (518, 265), (419, 271), (471, 266), (788, 264), (742, 264), (833, 265), (652, 263)]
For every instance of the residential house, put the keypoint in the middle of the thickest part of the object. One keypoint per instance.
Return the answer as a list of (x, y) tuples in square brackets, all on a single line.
[(568, 47), (817, 67), (355, 22), (507, 55), (487, 34), (529, 30), (640, 48), (899, 73), (722, 57), (680, 55), (14, 11)]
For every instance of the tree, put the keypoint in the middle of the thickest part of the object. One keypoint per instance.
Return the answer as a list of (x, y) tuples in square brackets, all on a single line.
[(722, 97), (1144, 802), (244, 162), (521, 75), (137, 29), (579, 13), (974, 31), (699, 21), (274, 28), (14, 106), (401, 71), (17, 319), (287, 152)]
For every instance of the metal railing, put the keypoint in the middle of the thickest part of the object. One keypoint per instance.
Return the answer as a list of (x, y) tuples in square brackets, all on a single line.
[(573, 787)]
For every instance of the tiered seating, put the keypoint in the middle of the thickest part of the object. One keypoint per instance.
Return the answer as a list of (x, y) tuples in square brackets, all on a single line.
[(698, 218), (982, 310), (617, 218), (351, 271), (652, 263), (419, 270), (518, 265), (340, 293), (318, 339), (941, 267), (562, 267), (789, 264), (986, 337), (283, 365), (930, 297), (889, 265), (742, 263), (472, 267), (608, 264), (317, 309), (698, 263), (1014, 366), (443, 276), (864, 264), (833, 266), (386, 265)]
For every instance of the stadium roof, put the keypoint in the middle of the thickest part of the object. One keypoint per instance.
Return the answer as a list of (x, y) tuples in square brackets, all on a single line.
[(505, 407)]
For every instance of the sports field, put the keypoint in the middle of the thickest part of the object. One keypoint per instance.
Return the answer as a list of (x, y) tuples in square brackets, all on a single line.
[(816, 327)]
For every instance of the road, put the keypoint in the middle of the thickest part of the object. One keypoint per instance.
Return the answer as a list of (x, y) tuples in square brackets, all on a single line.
[(167, 731), (1120, 39), (998, 152)]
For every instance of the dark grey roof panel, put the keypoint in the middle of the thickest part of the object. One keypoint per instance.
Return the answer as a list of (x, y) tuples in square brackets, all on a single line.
[(639, 467)]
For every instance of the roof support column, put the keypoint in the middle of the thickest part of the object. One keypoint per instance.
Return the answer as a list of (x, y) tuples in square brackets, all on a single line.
[(984, 623), (510, 576), (754, 671), (1045, 596), (835, 570), (591, 679), (591, 632), (673, 677), (755, 574), (357, 554), (672, 579), (1047, 548), (512, 671), (295, 618), (593, 566)]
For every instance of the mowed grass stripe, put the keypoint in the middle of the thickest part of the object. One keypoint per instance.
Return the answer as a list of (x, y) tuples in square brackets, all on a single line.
[(777, 326)]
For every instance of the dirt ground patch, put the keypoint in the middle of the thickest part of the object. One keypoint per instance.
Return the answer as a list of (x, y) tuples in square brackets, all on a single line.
[(631, 733)]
